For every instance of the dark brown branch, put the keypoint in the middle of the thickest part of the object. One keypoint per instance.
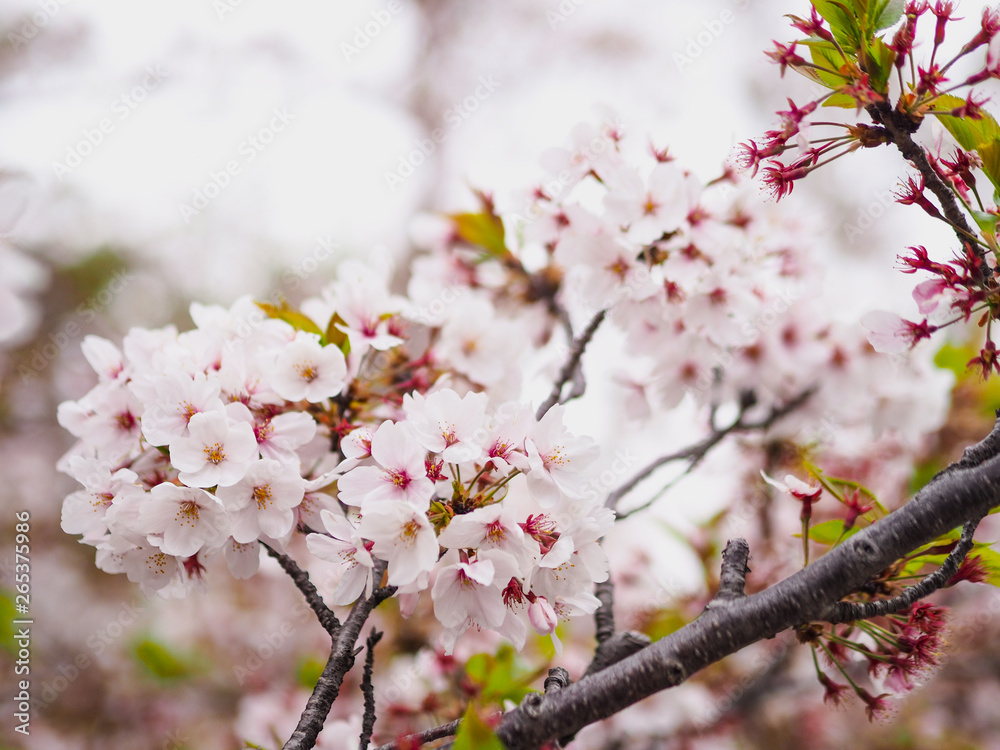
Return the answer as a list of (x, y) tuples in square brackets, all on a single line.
[(953, 499), (368, 722), (428, 735), (571, 370), (326, 616), (341, 661), (604, 616), (733, 577), (901, 129), (558, 679), (616, 648), (850, 611)]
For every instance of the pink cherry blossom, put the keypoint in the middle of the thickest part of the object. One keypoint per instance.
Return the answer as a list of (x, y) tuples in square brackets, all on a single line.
[(183, 520), (261, 502), (403, 537), (400, 475), (216, 452), (448, 424), (306, 370), (345, 546), (473, 590)]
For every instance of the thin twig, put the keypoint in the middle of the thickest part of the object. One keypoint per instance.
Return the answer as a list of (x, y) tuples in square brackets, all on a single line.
[(341, 661), (326, 616), (368, 722), (695, 453), (851, 611), (428, 735), (571, 367), (901, 129)]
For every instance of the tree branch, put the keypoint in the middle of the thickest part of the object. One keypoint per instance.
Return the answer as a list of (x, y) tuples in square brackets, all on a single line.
[(901, 128), (954, 498), (341, 661), (368, 722), (572, 367), (850, 611), (419, 738), (326, 616), (733, 577), (695, 453)]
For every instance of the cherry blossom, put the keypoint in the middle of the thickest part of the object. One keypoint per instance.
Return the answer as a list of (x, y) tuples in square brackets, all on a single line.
[(304, 369), (470, 592), (400, 475), (182, 520), (344, 545), (217, 451), (448, 424), (261, 502), (402, 536)]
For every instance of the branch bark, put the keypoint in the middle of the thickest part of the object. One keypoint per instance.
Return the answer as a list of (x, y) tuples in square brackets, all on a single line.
[(955, 497), (341, 661)]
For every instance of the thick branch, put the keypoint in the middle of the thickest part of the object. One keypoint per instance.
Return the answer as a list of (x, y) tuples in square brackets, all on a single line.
[(951, 500), (850, 611), (341, 661), (326, 617), (571, 369)]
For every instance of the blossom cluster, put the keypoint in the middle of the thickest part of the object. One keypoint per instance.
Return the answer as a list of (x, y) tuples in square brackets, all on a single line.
[(713, 299), (861, 68), (253, 428)]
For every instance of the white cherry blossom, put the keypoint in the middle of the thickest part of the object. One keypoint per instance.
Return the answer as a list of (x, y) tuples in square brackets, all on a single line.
[(217, 451)]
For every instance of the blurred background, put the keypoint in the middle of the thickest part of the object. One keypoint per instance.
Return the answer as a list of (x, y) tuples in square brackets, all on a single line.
[(155, 154)]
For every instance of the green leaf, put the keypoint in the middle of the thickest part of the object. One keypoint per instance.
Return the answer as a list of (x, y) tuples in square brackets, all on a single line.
[(294, 318), (879, 58), (484, 230), (828, 56), (843, 23), (337, 337), (501, 676), (7, 616), (663, 623), (969, 133), (473, 734), (827, 532), (987, 222), (887, 13), (308, 671), (990, 154), (159, 661)]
